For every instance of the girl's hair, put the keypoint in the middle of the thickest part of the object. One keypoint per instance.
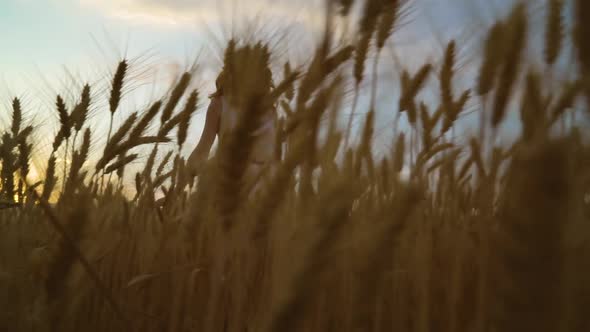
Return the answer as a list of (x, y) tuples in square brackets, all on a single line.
[(244, 65), (218, 87)]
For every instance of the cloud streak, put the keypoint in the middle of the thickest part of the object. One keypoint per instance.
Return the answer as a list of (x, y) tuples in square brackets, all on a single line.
[(188, 12)]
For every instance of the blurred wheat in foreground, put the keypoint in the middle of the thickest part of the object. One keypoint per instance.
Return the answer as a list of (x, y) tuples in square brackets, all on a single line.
[(478, 237)]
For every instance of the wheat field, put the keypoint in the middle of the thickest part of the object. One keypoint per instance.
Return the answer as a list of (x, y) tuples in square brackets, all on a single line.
[(437, 234)]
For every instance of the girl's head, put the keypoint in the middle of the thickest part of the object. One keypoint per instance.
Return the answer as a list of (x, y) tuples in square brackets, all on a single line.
[(218, 87), (246, 72)]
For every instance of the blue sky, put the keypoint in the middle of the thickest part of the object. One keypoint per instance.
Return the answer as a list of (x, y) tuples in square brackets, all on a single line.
[(50, 46)]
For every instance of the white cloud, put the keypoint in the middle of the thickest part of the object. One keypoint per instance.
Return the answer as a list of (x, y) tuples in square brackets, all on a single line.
[(189, 12)]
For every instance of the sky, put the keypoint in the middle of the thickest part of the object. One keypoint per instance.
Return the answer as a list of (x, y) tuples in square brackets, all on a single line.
[(55, 46)]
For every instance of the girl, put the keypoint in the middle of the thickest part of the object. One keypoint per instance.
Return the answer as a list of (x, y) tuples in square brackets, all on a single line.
[(221, 118)]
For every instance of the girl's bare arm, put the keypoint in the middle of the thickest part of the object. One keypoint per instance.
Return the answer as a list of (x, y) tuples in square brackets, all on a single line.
[(201, 152)]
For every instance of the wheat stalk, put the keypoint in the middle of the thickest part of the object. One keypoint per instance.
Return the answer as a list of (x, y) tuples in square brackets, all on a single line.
[(517, 23), (175, 96), (120, 163), (80, 112), (127, 145), (554, 33), (189, 109), (446, 79), (494, 52), (117, 85), (17, 116), (581, 30)]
